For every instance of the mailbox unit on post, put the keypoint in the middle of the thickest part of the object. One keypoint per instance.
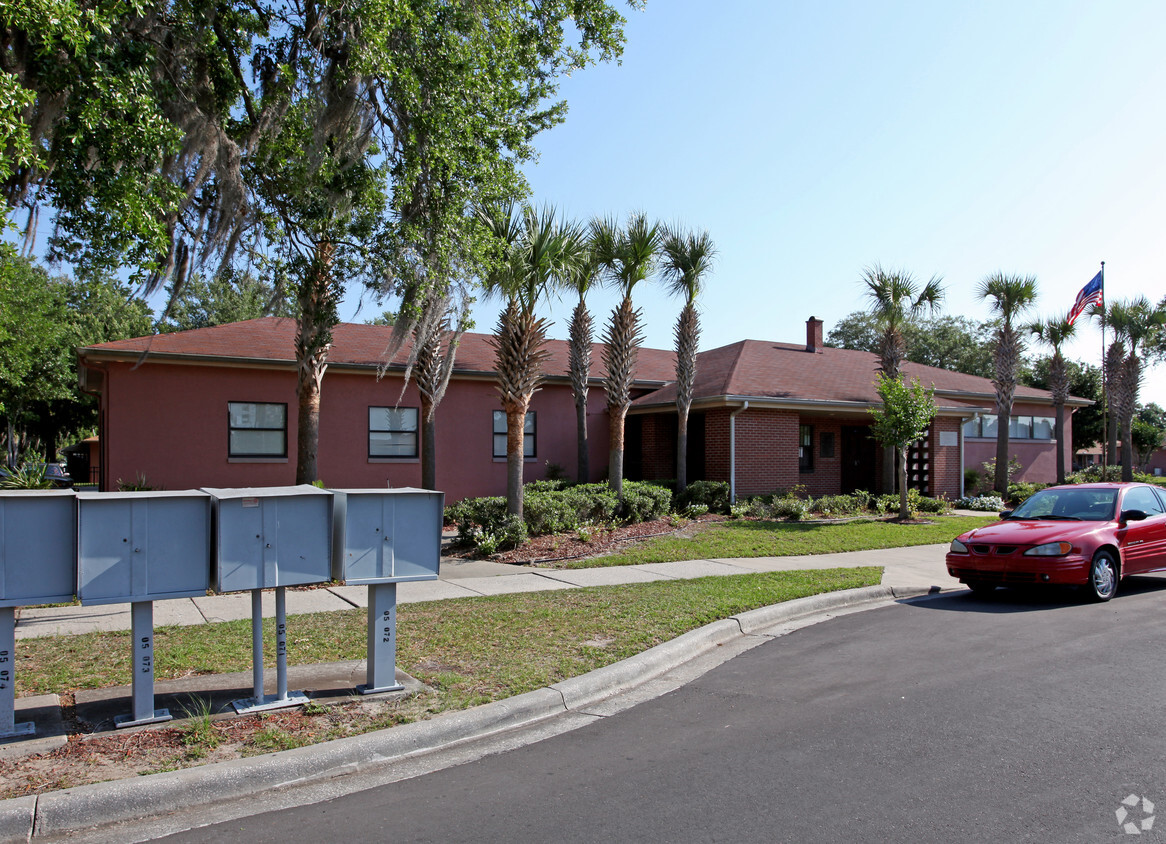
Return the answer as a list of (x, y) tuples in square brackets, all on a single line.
[(38, 565), (383, 537), (271, 537), (139, 547)]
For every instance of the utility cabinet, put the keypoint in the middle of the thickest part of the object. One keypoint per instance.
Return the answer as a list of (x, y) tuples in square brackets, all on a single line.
[(142, 546), (271, 536), (38, 547), (386, 535)]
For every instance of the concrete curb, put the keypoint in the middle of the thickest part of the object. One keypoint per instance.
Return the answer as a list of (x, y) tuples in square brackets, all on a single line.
[(26, 818)]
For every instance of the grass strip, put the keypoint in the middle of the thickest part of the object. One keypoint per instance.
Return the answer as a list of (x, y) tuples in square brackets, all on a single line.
[(747, 538), (470, 650)]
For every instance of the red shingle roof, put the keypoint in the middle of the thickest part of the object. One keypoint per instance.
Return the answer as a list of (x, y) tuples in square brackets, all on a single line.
[(764, 370), (746, 369), (271, 339)]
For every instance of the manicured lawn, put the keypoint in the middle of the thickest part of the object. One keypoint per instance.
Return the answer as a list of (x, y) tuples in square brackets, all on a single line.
[(470, 650), (745, 538)]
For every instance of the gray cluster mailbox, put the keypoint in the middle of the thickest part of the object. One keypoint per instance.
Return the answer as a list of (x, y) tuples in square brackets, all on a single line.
[(383, 537), (142, 546), (139, 547), (269, 537), (387, 535), (38, 565)]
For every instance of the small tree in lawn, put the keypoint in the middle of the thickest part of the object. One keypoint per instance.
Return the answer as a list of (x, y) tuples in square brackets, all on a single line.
[(906, 413)]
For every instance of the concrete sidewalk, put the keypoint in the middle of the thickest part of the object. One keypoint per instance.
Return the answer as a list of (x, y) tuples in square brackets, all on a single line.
[(920, 566)]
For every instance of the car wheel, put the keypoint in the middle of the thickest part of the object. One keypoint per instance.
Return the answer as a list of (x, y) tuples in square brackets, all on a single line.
[(1103, 576), (980, 587)]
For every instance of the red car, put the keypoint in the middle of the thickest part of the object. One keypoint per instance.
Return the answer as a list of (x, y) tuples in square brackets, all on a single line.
[(1090, 535)]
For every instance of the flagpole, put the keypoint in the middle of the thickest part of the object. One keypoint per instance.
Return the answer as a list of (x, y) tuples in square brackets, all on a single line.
[(1104, 387)]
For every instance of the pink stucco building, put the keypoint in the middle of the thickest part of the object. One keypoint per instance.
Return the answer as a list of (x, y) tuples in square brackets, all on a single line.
[(216, 407)]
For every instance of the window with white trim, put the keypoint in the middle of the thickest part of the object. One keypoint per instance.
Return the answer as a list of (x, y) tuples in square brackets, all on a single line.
[(392, 432), (256, 429), (528, 434)]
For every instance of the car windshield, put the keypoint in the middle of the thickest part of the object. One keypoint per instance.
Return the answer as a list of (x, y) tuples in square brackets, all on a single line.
[(1086, 505)]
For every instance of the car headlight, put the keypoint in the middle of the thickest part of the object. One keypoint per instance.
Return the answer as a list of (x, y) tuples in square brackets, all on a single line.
[(1050, 549), (958, 547)]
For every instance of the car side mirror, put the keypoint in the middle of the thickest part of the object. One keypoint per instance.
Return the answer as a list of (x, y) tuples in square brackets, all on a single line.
[(1132, 516), (1004, 514)]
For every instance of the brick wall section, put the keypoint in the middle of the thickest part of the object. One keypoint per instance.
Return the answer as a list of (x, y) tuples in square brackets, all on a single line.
[(945, 460), (826, 479)]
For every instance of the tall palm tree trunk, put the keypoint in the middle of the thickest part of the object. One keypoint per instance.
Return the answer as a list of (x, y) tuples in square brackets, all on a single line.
[(428, 444), (1059, 379), (1131, 376), (1007, 361), (687, 338), (619, 356), (579, 366), (1113, 387), (515, 456), (519, 352)]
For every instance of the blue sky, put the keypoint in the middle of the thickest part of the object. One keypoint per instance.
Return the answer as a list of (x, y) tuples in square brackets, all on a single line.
[(815, 138)]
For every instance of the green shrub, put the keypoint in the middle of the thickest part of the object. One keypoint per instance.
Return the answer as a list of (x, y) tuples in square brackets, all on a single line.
[(933, 505), (592, 502), (1019, 492), (712, 494), (863, 500), (791, 508), (835, 505), (889, 503), (972, 479), (643, 502), (548, 511)]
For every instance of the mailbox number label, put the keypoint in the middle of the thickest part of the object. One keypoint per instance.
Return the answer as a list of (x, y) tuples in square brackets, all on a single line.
[(146, 660)]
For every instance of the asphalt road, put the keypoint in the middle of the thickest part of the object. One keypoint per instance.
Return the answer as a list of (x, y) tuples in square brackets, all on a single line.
[(1025, 717)]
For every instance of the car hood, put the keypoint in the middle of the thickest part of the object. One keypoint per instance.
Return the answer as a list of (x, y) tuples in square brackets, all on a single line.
[(1034, 532)]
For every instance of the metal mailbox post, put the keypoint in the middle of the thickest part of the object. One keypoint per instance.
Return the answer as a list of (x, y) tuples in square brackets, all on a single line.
[(383, 537), (141, 547), (271, 537), (38, 565)]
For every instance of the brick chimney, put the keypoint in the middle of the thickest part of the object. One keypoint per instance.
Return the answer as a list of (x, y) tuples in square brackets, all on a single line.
[(814, 335)]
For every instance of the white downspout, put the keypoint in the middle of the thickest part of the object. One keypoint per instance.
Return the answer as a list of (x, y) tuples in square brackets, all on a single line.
[(733, 452)]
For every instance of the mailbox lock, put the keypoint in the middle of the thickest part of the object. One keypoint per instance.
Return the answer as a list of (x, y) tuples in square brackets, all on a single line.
[(268, 544)]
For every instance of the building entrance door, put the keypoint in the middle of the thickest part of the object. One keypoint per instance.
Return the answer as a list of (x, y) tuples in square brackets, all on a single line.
[(858, 458)]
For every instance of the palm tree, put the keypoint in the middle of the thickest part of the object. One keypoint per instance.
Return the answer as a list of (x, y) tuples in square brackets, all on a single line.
[(687, 259), (580, 337), (895, 299), (627, 256), (1054, 332), (1135, 323), (1009, 296), (533, 259)]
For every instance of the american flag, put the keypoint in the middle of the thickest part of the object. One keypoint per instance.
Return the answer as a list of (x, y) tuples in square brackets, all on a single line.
[(1092, 293)]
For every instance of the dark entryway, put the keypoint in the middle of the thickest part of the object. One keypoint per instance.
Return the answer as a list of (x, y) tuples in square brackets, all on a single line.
[(858, 459)]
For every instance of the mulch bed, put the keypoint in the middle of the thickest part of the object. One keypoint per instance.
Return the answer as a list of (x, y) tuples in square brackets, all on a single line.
[(570, 546)]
